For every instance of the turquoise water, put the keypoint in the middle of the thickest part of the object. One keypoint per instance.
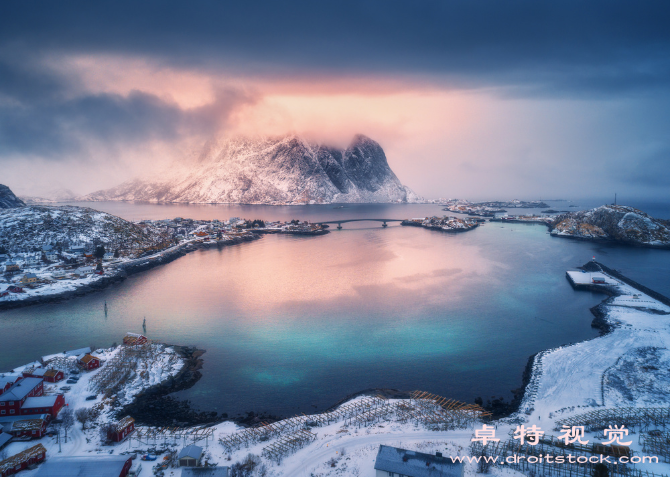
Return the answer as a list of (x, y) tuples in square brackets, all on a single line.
[(293, 324)]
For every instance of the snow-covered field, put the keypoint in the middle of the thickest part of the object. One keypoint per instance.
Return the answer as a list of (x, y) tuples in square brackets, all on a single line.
[(628, 367)]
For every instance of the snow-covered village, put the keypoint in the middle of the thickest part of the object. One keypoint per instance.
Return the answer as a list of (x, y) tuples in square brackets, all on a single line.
[(57, 252), (66, 411), (340, 238)]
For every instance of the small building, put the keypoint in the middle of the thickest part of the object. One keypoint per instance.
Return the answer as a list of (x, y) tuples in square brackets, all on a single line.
[(83, 271), (134, 339), (15, 289), (49, 375), (29, 278), (121, 429), (108, 256), (11, 266), (206, 472), (43, 405), (96, 465), (21, 461), (32, 427), (190, 456), (89, 362), (598, 279), (392, 462)]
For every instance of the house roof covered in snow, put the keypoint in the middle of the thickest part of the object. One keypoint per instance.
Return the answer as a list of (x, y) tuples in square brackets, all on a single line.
[(23, 423), (416, 464), (4, 438), (205, 471), (93, 466), (88, 358), (192, 451), (20, 389), (74, 352), (8, 378), (41, 401)]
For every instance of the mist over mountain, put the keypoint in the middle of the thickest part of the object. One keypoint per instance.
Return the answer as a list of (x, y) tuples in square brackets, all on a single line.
[(283, 170)]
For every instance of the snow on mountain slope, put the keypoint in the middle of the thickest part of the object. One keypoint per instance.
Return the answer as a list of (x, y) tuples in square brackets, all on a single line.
[(7, 198), (286, 170)]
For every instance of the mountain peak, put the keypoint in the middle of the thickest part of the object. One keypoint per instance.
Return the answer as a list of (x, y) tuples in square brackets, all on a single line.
[(274, 170)]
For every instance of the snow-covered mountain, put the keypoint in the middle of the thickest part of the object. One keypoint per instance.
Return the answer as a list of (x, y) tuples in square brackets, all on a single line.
[(7, 198), (285, 170), (614, 222)]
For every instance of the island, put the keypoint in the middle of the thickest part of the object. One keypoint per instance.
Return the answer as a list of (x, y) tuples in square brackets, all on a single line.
[(613, 223), (443, 224)]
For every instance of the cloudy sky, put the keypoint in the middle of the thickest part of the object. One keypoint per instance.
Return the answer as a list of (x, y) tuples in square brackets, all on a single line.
[(469, 98)]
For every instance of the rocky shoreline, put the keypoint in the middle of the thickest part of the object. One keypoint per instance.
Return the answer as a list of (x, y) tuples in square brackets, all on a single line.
[(123, 271), (155, 407)]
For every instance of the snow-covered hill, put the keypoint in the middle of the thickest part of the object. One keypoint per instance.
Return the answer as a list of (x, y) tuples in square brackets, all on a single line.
[(614, 222), (286, 170), (7, 198), (31, 228)]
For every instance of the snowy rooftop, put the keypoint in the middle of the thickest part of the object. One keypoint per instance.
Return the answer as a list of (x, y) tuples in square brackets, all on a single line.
[(41, 401), (416, 464), (100, 466)]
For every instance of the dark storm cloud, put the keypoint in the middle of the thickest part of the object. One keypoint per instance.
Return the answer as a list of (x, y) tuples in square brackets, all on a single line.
[(594, 45), (43, 113)]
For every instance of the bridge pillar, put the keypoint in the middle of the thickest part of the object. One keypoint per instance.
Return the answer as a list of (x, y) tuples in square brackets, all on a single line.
[(384, 225), (339, 225)]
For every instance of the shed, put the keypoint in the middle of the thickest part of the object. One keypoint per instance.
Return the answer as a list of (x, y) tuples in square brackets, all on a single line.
[(190, 456), (121, 429), (392, 461), (134, 339)]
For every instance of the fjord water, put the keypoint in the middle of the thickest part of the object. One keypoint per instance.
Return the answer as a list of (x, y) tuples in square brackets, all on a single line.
[(294, 324)]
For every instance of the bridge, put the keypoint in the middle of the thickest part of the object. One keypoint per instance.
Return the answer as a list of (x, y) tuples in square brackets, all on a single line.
[(344, 221)]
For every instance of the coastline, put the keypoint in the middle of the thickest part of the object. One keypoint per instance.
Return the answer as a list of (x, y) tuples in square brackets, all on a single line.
[(123, 271), (610, 320)]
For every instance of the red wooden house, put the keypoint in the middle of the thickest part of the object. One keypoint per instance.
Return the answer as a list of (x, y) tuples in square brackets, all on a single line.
[(134, 339), (12, 400), (22, 460), (49, 375), (43, 405), (89, 362), (31, 427), (118, 431)]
